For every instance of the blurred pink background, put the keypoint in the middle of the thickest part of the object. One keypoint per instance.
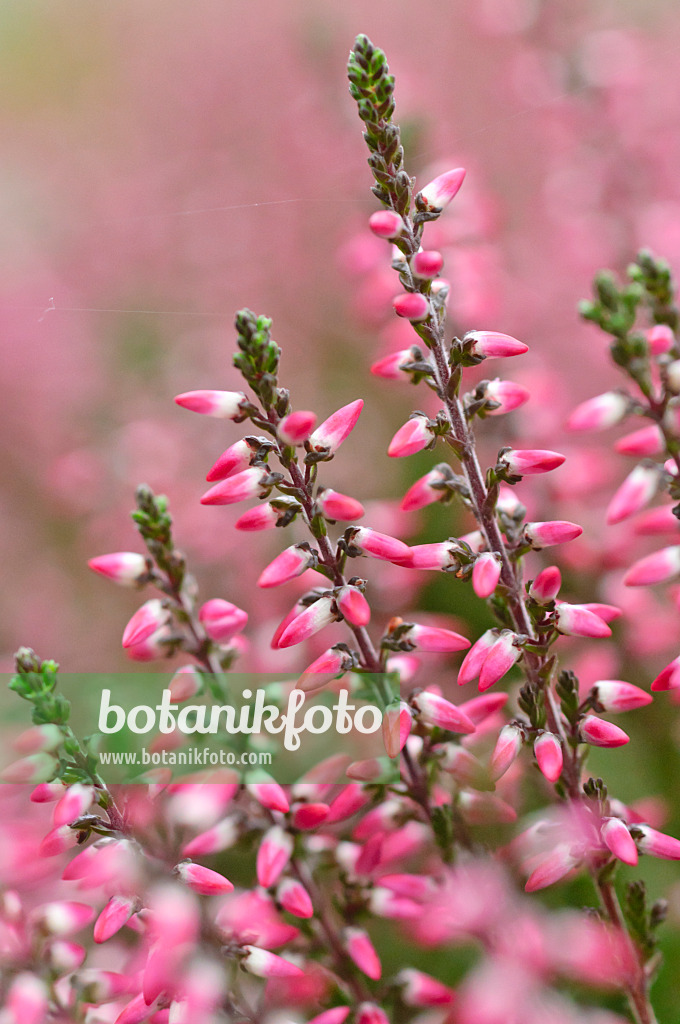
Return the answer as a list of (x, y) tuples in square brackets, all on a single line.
[(165, 164)]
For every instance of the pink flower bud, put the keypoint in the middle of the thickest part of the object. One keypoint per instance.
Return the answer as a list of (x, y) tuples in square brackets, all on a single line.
[(478, 709), (427, 264), (507, 394), (506, 751), (307, 817), (312, 620), (546, 586), (333, 431), (549, 757), (64, 957), (599, 413), (36, 768), (655, 521), (423, 492), (543, 535), (220, 837), (152, 647), (660, 339), (334, 505), (290, 563), (492, 345), (76, 800), (551, 867), (440, 555), (419, 989), (615, 695), (235, 459), (476, 656), (379, 545), (362, 952), (600, 733), (618, 840), (123, 567), (57, 841), (634, 493), (390, 367), (262, 517), (223, 404), (439, 192), (27, 1001), (39, 737), (412, 306), (435, 640), (646, 441), (222, 620), (294, 898), (435, 710), (185, 684), (328, 666), (335, 1016), (486, 573), (249, 483), (530, 461), (660, 567), (268, 965), (500, 659), (47, 792), (354, 606), (669, 677), (352, 797), (273, 856), (658, 844), (296, 427), (113, 917), (396, 727), (575, 620), (146, 621), (386, 224), (63, 917), (485, 809), (136, 1011), (411, 438), (203, 880), (269, 794)]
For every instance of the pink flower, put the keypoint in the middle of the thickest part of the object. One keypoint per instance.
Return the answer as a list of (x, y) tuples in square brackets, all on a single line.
[(476, 656), (412, 306), (599, 733), (27, 1000), (386, 224), (486, 573), (427, 264), (668, 678), (236, 458), (396, 727), (202, 880), (499, 660), (551, 867), (330, 434), (222, 620), (660, 567), (290, 563), (328, 666), (634, 493), (268, 965), (618, 840), (411, 438), (646, 441), (123, 567), (576, 620), (354, 606), (439, 192), (600, 412), (269, 794), (296, 427), (146, 621), (435, 639), (549, 757), (440, 555), (223, 404), (273, 855), (544, 535), (615, 695), (479, 708), (113, 917), (336, 506), (530, 461), (307, 817), (220, 837), (657, 520), (313, 619), (390, 367), (362, 952), (419, 989), (424, 491), (435, 710), (660, 339), (491, 344), (379, 545), (263, 517), (294, 898), (506, 394), (658, 844), (508, 746), (546, 586), (249, 483)]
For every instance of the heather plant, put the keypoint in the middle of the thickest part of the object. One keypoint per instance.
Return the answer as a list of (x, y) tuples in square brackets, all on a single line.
[(493, 801)]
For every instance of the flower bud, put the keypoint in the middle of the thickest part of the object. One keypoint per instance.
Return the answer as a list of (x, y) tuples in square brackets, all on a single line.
[(379, 545), (636, 491), (386, 224), (439, 192), (312, 620), (223, 404), (600, 733), (391, 367), (618, 840), (362, 952), (658, 844), (333, 431), (411, 438), (553, 866), (486, 573), (506, 395), (660, 339), (222, 620), (500, 659), (546, 586), (307, 817), (426, 264), (549, 756), (37, 768), (600, 412), (294, 898), (527, 462), (296, 427), (334, 505), (476, 656), (412, 306), (423, 492), (646, 441), (669, 677), (123, 567), (235, 459), (660, 567), (419, 989), (506, 751), (76, 801), (203, 880), (146, 621), (328, 666), (396, 727), (491, 344), (268, 793), (220, 837), (435, 710), (354, 606), (615, 695), (268, 965), (186, 683), (113, 917), (435, 640), (273, 855), (249, 483), (576, 620), (27, 1001), (63, 917), (544, 535), (290, 563)]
